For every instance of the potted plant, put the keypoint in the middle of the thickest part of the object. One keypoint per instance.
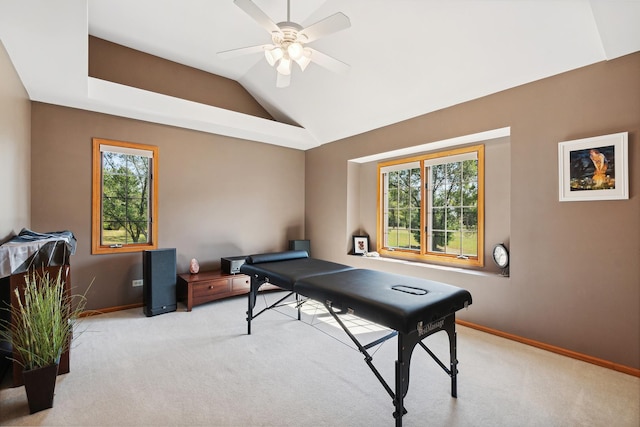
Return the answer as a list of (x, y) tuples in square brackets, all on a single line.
[(40, 330)]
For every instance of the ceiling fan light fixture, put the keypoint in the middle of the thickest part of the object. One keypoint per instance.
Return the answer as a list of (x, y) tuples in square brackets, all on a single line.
[(305, 59), (289, 40), (285, 66), (295, 51), (273, 55)]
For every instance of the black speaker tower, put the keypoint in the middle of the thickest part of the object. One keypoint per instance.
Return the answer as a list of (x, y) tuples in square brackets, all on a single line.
[(159, 287), (300, 245)]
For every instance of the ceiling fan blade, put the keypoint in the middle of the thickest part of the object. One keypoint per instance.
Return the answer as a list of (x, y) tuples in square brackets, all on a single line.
[(332, 24), (328, 62), (257, 14), (243, 51), (283, 80)]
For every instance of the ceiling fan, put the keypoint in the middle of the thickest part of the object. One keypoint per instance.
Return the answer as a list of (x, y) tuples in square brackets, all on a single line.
[(289, 42)]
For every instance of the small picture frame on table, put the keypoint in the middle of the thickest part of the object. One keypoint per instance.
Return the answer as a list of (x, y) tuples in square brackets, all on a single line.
[(360, 245)]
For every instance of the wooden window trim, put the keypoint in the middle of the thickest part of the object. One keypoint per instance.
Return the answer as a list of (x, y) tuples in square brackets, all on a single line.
[(423, 256), (96, 204)]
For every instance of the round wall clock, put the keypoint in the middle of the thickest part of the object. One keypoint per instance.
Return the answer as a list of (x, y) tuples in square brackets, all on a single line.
[(501, 258)]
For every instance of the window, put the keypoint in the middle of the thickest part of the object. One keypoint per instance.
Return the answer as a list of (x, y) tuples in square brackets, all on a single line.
[(431, 207), (125, 204)]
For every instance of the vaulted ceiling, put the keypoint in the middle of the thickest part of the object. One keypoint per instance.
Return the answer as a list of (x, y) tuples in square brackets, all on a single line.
[(406, 57)]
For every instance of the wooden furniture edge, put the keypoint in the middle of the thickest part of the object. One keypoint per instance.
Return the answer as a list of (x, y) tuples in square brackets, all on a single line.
[(558, 350), (188, 285), (88, 313)]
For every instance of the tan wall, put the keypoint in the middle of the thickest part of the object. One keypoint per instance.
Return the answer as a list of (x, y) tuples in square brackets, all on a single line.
[(575, 280), (120, 64), (218, 196), (15, 150)]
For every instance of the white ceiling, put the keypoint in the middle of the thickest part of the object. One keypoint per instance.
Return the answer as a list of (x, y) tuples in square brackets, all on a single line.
[(407, 57)]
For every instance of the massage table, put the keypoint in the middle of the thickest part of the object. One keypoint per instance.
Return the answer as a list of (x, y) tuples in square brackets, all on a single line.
[(412, 308)]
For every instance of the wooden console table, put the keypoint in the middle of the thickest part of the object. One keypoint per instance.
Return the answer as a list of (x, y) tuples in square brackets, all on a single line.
[(206, 286)]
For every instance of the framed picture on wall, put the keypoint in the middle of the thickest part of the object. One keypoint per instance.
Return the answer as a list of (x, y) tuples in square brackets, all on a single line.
[(360, 244), (594, 168)]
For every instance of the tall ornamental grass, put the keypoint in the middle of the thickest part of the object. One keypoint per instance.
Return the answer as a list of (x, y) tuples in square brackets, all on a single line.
[(43, 320)]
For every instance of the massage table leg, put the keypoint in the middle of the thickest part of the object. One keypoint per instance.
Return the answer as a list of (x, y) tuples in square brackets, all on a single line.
[(402, 378), (251, 303), (406, 344), (453, 371), (400, 366), (253, 295), (449, 326)]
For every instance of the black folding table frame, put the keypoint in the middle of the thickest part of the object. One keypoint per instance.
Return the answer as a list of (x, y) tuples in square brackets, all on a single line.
[(405, 345)]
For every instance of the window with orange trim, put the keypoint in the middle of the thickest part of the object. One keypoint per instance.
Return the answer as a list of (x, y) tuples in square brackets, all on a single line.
[(124, 199), (431, 207)]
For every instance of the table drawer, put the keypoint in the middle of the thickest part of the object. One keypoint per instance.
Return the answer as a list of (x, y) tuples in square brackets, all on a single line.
[(206, 286), (239, 284), (210, 288)]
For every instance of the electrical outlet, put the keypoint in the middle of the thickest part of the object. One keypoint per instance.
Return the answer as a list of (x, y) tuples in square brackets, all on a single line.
[(138, 283)]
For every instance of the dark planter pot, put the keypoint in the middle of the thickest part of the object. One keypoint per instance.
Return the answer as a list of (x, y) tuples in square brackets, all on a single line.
[(40, 385)]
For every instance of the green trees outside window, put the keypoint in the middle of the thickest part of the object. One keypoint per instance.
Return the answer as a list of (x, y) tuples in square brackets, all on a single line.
[(454, 214), (431, 207), (403, 209), (124, 211), (125, 198)]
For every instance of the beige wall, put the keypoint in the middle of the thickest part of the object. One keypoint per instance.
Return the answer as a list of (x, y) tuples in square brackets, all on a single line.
[(120, 64), (575, 280), (15, 149), (218, 196)]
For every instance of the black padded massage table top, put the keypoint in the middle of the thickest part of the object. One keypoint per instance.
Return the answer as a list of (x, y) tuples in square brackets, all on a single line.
[(396, 301), (283, 269), (403, 303)]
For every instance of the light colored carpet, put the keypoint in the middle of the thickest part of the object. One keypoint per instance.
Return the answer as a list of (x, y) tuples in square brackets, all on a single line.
[(201, 369)]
